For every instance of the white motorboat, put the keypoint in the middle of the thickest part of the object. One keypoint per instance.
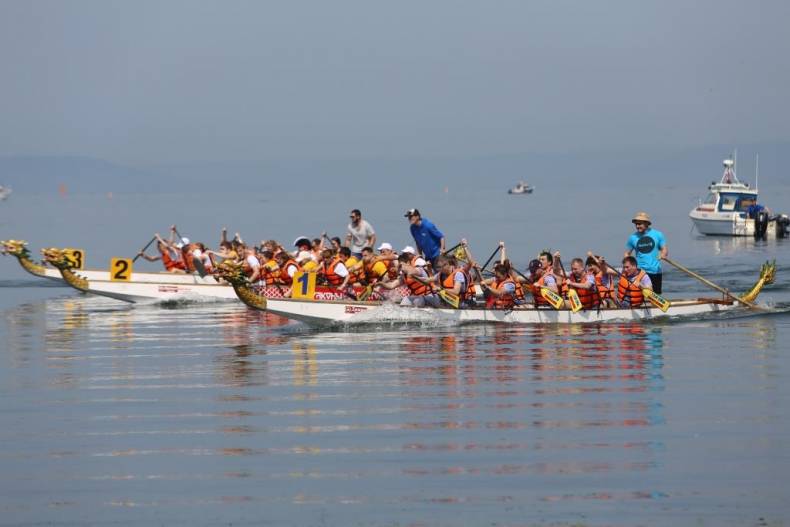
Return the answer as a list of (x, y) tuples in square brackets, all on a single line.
[(4, 192), (731, 209), (521, 188)]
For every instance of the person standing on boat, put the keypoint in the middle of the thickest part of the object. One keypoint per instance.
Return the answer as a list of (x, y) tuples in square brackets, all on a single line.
[(360, 234), (429, 239), (649, 247)]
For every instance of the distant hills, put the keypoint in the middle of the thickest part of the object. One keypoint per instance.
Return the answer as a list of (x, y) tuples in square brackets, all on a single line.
[(697, 166)]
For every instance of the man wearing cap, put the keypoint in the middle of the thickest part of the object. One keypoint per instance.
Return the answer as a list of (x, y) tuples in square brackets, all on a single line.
[(413, 258), (303, 255), (649, 247), (360, 234), (429, 239)]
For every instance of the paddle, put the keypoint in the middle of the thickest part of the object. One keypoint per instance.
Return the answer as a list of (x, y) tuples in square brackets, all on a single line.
[(573, 296), (651, 296), (554, 300), (454, 247), (147, 245), (709, 283)]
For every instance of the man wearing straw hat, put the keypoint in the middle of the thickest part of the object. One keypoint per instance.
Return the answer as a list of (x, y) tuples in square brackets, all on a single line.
[(648, 246)]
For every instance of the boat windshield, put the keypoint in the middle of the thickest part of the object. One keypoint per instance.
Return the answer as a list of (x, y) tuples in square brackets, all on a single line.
[(710, 199), (736, 202)]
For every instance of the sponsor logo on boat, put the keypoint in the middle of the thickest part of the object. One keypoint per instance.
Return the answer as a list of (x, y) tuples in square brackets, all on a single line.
[(168, 289), (355, 309)]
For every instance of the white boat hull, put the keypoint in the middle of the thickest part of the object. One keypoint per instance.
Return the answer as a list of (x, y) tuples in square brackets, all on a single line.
[(338, 312), (136, 291), (723, 224)]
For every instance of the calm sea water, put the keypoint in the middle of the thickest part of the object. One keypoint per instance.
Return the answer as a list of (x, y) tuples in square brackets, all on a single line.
[(214, 414)]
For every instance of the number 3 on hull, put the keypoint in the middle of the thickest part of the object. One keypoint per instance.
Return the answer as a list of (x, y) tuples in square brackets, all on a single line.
[(121, 269), (76, 258)]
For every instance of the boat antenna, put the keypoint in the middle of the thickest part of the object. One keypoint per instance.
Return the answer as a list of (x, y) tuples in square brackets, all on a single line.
[(756, 171)]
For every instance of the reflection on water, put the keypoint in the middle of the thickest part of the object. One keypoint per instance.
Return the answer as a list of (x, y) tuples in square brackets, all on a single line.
[(214, 410)]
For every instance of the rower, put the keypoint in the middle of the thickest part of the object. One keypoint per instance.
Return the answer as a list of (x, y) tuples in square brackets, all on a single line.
[(269, 268), (169, 255), (251, 265), (632, 281), (334, 269), (583, 282), (450, 278), (303, 255), (288, 268), (416, 279), (604, 279), (502, 289), (546, 278)]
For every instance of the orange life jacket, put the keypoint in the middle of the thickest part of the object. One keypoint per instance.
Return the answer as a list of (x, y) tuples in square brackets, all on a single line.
[(604, 292), (416, 287), (506, 301), (589, 297), (284, 278), (392, 269), (631, 289), (370, 276), (332, 278), (171, 263), (267, 274), (540, 282)]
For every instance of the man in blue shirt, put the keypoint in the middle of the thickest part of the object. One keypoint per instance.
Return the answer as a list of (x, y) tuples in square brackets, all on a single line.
[(648, 246), (429, 239)]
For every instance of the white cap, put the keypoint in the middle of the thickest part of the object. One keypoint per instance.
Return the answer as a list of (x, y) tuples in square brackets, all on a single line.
[(419, 262), (408, 249), (183, 243), (384, 245)]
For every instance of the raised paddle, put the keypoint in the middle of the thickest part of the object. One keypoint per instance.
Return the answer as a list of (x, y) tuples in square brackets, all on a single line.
[(147, 245), (651, 296), (709, 283)]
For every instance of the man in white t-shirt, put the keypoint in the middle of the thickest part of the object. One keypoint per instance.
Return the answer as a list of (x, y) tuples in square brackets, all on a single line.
[(360, 234)]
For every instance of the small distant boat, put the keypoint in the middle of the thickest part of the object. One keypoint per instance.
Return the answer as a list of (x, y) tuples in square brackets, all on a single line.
[(4, 192), (521, 188), (731, 209)]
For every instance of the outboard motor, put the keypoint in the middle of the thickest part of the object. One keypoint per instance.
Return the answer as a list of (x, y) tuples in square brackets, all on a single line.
[(782, 225), (760, 225)]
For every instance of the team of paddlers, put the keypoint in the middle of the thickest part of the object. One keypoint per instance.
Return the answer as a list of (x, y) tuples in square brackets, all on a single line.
[(407, 278)]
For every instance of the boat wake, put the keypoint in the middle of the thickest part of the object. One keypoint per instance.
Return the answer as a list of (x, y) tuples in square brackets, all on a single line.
[(186, 301), (393, 315)]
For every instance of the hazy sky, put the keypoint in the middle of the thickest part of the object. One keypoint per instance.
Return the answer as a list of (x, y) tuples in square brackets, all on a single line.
[(171, 81)]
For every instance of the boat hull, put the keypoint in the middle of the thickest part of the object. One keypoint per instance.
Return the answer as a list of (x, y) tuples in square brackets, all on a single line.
[(717, 224), (329, 313)]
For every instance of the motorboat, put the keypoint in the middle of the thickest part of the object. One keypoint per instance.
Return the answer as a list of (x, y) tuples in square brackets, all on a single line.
[(521, 188), (4, 192), (731, 209)]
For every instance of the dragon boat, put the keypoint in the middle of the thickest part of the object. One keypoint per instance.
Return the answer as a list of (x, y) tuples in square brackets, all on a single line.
[(138, 287), (131, 286), (319, 311)]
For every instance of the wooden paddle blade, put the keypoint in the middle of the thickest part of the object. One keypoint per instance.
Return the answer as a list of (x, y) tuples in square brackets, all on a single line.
[(575, 301), (552, 298), (452, 299), (364, 295), (657, 300)]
